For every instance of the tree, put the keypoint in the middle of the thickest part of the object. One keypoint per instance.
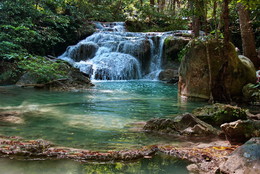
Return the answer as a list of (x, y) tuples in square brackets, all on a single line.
[(247, 35), (225, 16)]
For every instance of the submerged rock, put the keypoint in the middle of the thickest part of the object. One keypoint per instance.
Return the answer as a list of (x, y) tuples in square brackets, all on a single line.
[(11, 117), (218, 114), (244, 159), (241, 130), (186, 124), (211, 71)]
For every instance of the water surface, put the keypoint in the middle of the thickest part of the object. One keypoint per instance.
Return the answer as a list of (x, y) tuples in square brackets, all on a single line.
[(100, 118)]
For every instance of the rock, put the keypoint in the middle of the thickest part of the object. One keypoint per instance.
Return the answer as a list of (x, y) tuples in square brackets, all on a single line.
[(171, 48), (223, 79), (206, 158), (253, 116), (84, 51), (11, 117), (241, 130), (244, 159), (27, 78), (251, 94), (174, 80), (218, 114), (35, 149), (141, 50), (168, 74), (74, 80), (186, 124), (9, 73)]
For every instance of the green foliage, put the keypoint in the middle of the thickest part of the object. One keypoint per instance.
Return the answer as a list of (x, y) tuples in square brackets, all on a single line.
[(182, 53), (38, 27), (41, 68)]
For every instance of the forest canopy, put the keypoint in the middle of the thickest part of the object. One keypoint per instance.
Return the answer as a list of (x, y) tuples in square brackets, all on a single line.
[(44, 27)]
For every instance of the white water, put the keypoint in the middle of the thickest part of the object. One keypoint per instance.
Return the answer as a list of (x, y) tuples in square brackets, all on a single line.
[(114, 54)]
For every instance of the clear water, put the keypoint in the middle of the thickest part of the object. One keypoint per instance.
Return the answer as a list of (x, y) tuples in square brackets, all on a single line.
[(157, 165), (103, 117)]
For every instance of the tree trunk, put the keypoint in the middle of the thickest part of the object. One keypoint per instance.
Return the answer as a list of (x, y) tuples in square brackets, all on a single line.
[(247, 35), (225, 16), (194, 5), (152, 3), (141, 2)]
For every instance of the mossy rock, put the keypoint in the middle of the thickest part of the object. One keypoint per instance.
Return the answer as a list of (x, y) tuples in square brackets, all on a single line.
[(218, 114), (210, 70), (182, 125), (241, 130), (172, 46), (251, 93)]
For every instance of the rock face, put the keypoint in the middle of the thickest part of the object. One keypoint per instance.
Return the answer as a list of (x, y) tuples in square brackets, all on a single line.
[(186, 124), (241, 131), (207, 71), (244, 159), (218, 114), (171, 48)]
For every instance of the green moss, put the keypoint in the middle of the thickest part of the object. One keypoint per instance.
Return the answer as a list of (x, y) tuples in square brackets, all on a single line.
[(42, 69), (218, 114)]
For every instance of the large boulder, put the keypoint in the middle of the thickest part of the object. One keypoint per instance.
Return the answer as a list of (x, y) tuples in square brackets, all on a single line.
[(186, 125), (244, 159), (241, 130), (211, 71), (218, 114)]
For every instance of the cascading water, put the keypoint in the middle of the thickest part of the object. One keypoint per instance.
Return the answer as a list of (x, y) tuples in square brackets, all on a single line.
[(114, 54)]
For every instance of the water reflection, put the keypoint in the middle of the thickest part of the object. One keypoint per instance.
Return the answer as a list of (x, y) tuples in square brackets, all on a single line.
[(160, 164)]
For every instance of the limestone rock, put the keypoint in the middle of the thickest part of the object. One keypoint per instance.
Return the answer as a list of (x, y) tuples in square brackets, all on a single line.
[(241, 131), (84, 51), (218, 114), (186, 124), (168, 74), (205, 70), (244, 159)]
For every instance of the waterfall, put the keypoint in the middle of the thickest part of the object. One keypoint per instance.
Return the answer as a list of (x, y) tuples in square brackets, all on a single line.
[(111, 53)]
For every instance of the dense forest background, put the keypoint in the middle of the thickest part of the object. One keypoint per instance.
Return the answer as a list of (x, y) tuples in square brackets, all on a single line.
[(46, 27)]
